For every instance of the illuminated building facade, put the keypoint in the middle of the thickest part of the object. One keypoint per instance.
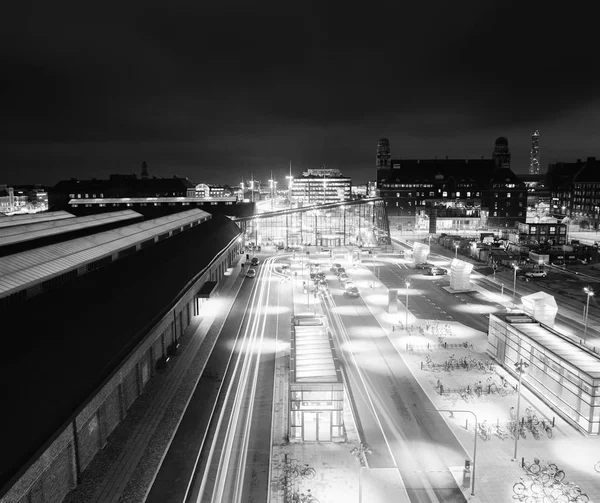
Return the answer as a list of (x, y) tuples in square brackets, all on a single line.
[(534, 163), (443, 195), (361, 222), (321, 186)]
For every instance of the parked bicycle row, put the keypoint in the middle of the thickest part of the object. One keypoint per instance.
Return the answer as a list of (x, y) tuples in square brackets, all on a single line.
[(453, 363), (546, 483), (430, 346)]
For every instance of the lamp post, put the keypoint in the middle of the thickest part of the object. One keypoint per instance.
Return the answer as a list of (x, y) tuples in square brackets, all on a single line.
[(407, 283), (589, 292), (474, 442), (290, 181), (520, 368), (516, 267), (455, 250)]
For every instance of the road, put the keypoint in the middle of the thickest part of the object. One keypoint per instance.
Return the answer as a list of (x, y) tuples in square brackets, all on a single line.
[(221, 449), (397, 419)]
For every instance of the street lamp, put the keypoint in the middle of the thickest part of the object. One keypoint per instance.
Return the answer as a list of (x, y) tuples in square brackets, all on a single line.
[(407, 283), (516, 267), (590, 293), (455, 250), (520, 368), (474, 442)]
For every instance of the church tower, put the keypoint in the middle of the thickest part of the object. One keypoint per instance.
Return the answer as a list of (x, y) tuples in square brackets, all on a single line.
[(383, 154), (144, 171), (501, 153)]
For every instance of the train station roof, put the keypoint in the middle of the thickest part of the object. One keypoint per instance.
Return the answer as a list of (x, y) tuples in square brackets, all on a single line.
[(31, 218), (20, 233), (23, 270)]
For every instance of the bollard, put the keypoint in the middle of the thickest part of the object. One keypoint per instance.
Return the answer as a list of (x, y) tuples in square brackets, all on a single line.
[(489, 389), (421, 365), (522, 462), (466, 424), (427, 345), (553, 418)]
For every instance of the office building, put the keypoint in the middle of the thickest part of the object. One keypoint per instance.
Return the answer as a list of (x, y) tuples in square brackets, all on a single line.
[(321, 186)]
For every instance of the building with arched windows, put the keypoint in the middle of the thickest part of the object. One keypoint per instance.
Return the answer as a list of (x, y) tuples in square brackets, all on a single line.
[(444, 195)]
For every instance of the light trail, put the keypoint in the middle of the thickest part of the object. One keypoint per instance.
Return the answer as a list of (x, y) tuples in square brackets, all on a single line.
[(243, 376)]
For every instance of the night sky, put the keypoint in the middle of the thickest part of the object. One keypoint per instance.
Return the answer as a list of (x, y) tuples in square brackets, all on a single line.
[(217, 91)]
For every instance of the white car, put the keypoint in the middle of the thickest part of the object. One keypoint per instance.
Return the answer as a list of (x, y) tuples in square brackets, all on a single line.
[(536, 274)]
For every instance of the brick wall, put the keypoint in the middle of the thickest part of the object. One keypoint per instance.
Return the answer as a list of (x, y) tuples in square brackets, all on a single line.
[(54, 472)]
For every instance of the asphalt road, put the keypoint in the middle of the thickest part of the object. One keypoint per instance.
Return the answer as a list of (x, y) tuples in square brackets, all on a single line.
[(396, 417), (224, 438)]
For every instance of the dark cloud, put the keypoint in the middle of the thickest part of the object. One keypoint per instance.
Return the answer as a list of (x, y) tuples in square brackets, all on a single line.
[(230, 88)]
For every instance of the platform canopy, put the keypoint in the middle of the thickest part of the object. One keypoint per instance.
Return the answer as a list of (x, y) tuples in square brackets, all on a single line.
[(541, 306)]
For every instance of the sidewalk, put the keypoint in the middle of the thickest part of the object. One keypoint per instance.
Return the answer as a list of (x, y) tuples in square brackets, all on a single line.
[(338, 473), (495, 471), (125, 468)]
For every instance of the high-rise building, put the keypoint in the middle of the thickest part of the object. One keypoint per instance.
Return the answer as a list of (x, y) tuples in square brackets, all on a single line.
[(383, 154), (321, 186), (534, 163)]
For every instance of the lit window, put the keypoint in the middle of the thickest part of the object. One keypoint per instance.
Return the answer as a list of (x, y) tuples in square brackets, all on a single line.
[(468, 194), (445, 194), (458, 194)]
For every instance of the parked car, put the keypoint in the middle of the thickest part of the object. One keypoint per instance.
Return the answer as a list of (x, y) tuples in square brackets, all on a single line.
[(335, 267), (251, 273), (254, 261), (536, 274), (320, 275), (351, 291), (423, 265), (348, 284), (437, 271), (343, 276), (340, 270)]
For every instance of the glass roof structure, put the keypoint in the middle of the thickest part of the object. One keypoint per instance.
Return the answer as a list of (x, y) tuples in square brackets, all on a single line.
[(313, 354), (566, 350), (31, 218), (23, 270), (360, 222), (20, 233)]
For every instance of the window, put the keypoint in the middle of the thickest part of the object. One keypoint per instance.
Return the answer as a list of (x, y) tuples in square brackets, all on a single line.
[(431, 194), (458, 194), (468, 194), (397, 194), (495, 194), (444, 194), (495, 213), (508, 194)]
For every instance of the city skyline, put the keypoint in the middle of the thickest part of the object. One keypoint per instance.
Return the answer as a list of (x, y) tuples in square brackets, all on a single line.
[(220, 93)]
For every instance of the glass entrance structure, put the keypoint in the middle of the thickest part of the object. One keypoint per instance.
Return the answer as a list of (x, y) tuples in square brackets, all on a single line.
[(360, 222), (561, 373), (316, 387)]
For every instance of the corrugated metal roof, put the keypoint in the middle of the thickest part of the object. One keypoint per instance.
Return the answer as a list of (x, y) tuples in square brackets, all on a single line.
[(149, 200), (22, 270), (20, 233), (32, 218), (313, 355)]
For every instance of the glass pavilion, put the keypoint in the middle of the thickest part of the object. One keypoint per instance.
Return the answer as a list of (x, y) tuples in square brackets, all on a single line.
[(362, 222), (562, 373)]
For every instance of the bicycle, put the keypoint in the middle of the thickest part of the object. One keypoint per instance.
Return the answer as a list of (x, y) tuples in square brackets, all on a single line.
[(304, 497), (548, 429)]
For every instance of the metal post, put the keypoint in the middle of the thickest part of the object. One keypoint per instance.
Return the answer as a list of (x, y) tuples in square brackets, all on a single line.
[(474, 443), (515, 284), (587, 308), (519, 366), (406, 319)]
